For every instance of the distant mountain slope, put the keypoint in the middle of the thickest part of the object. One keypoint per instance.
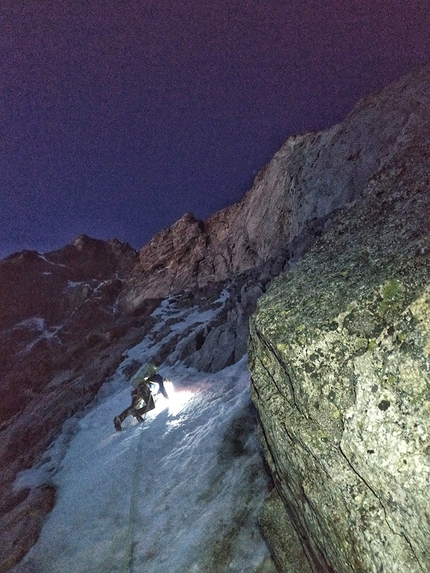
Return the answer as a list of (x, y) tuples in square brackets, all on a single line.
[(32, 284)]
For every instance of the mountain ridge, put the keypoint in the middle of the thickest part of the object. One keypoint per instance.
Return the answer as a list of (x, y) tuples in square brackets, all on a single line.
[(309, 178)]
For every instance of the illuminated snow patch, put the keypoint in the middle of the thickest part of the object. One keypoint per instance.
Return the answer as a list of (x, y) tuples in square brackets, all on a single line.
[(173, 494)]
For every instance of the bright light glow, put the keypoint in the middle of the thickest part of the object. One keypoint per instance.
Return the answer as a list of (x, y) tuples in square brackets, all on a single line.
[(169, 387), (177, 398)]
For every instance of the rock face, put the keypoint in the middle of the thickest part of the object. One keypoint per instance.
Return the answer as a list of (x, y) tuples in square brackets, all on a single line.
[(32, 284), (291, 201), (340, 361)]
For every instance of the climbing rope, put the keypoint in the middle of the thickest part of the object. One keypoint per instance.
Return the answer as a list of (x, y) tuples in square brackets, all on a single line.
[(134, 494)]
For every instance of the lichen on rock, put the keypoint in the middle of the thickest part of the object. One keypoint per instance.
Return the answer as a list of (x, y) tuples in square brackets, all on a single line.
[(339, 355)]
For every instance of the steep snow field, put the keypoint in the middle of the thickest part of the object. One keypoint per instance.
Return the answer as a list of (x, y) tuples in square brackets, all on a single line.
[(179, 493)]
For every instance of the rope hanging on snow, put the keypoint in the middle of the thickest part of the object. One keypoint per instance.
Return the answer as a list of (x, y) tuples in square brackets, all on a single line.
[(137, 471)]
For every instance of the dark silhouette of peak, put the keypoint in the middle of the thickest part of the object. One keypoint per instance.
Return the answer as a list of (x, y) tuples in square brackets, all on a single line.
[(37, 285)]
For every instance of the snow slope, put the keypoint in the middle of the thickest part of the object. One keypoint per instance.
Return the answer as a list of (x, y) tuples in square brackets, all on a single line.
[(179, 493)]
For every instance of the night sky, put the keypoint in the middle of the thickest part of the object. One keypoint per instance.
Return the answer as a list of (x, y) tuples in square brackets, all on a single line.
[(118, 116)]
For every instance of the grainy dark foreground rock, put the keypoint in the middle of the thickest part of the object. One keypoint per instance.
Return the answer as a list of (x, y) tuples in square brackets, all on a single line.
[(339, 355)]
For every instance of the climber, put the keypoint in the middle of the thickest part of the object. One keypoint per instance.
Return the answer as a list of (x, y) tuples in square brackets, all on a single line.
[(142, 399), (157, 379)]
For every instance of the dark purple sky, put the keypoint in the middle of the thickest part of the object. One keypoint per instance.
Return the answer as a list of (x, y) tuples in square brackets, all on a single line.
[(117, 116)]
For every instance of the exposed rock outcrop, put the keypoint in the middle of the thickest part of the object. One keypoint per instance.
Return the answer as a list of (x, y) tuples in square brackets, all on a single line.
[(36, 285), (339, 355), (292, 199)]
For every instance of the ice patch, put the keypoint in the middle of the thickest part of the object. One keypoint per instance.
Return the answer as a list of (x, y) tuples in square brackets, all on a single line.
[(43, 257), (74, 284), (34, 323)]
